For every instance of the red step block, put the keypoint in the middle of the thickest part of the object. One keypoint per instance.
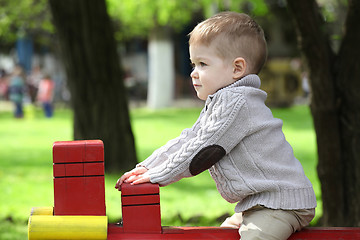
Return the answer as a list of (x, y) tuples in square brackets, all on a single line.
[(141, 208), (327, 233), (79, 187), (78, 151)]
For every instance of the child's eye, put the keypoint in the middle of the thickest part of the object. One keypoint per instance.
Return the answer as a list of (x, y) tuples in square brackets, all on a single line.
[(192, 66), (201, 64)]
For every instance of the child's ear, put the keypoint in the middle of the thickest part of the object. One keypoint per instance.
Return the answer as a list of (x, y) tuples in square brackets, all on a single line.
[(239, 65)]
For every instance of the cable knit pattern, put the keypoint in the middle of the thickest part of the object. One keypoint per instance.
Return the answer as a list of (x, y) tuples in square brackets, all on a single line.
[(161, 155), (212, 126), (259, 166)]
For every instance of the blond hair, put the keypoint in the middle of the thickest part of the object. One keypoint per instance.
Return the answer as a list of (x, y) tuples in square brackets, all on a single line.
[(234, 35)]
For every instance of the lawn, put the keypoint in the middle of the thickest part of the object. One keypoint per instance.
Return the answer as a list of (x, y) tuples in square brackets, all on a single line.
[(26, 165)]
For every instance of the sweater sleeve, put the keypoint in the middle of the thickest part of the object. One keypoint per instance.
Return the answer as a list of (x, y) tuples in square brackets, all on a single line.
[(161, 155), (223, 124)]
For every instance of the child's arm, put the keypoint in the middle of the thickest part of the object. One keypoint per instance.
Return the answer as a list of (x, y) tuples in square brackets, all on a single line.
[(223, 125), (162, 154), (159, 156), (137, 175)]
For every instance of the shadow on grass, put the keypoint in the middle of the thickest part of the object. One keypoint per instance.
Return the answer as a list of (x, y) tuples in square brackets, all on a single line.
[(13, 230)]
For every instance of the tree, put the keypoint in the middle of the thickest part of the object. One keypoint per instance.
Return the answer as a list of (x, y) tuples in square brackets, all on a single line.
[(28, 24), (95, 78), (335, 108), (27, 17)]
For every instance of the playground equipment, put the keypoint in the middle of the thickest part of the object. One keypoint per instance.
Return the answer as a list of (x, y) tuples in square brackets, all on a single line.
[(79, 205)]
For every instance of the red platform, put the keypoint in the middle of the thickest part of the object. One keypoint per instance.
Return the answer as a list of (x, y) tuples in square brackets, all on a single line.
[(79, 190), (332, 233), (116, 232)]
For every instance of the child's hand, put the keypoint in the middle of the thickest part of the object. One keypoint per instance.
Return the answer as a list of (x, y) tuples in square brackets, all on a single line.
[(135, 176)]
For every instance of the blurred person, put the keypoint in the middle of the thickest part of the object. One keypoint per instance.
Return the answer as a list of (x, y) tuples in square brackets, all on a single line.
[(3, 85), (33, 81), (45, 95), (17, 91)]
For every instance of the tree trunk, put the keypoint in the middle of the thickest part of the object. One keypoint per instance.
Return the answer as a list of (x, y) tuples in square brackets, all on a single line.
[(348, 83), (161, 69), (95, 78), (333, 112)]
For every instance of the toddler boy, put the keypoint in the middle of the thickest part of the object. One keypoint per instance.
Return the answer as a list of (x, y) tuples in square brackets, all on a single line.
[(236, 136)]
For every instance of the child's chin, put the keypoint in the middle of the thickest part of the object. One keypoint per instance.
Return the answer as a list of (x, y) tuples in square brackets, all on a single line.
[(201, 97)]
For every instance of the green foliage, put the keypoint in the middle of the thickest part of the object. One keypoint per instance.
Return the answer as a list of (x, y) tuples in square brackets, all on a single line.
[(138, 17), (258, 7), (255, 7), (141, 16), (330, 9), (134, 18), (19, 18)]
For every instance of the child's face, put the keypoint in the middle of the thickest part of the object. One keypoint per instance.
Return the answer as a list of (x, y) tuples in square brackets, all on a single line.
[(210, 72)]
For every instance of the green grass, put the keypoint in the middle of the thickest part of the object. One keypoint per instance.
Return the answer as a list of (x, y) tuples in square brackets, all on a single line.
[(26, 165)]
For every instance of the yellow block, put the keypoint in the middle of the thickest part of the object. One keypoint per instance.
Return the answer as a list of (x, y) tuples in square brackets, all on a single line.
[(42, 211), (67, 227)]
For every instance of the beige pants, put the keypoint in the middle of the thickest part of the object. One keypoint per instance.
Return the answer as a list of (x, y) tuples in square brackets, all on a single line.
[(264, 223)]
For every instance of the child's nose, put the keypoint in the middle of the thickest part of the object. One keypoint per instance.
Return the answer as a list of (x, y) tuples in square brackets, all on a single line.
[(194, 74)]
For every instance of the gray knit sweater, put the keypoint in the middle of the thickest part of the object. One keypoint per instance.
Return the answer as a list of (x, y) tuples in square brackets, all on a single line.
[(258, 165)]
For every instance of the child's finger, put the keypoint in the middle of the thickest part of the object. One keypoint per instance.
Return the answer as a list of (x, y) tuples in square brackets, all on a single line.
[(129, 176), (139, 170), (141, 179), (122, 179)]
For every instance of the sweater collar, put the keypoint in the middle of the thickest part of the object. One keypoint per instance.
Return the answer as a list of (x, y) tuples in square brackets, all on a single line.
[(251, 80)]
